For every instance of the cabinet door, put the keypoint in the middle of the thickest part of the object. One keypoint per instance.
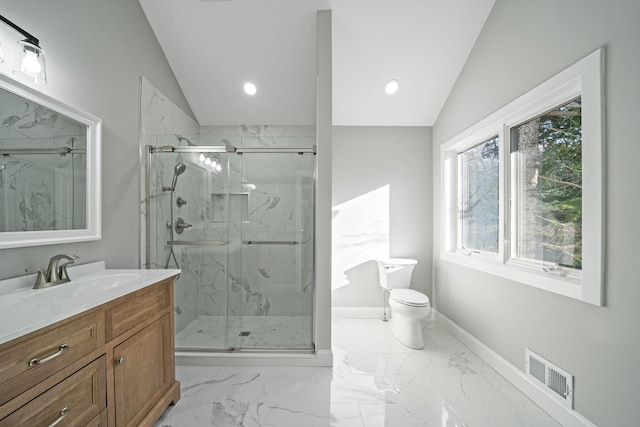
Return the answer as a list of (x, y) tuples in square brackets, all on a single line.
[(142, 371)]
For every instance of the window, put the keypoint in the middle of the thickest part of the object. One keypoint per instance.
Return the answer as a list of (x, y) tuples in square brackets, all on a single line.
[(546, 194), (522, 189), (479, 200)]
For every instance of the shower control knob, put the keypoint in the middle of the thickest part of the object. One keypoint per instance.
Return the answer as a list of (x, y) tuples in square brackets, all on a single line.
[(180, 202), (181, 225)]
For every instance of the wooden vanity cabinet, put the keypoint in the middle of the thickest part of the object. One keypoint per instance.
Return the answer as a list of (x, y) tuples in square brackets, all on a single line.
[(118, 367)]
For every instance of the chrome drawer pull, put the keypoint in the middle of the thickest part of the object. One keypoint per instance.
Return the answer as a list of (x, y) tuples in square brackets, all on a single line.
[(61, 349), (65, 411)]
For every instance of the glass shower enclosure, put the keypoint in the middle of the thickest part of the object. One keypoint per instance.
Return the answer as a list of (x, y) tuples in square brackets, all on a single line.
[(239, 224)]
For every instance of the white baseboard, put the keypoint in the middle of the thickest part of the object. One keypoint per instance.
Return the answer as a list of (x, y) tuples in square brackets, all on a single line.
[(565, 416), (357, 312), (322, 358)]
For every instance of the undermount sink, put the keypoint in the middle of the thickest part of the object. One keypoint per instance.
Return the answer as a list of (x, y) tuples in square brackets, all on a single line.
[(90, 284), (107, 280)]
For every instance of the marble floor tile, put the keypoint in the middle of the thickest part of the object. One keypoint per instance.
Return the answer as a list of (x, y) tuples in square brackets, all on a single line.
[(210, 332), (375, 382)]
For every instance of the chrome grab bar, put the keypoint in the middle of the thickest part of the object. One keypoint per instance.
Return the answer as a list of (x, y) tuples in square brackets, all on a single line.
[(55, 150), (270, 242), (36, 361), (196, 242)]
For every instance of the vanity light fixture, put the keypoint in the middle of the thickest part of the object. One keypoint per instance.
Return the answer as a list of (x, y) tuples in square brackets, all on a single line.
[(29, 59), (250, 89), (391, 87)]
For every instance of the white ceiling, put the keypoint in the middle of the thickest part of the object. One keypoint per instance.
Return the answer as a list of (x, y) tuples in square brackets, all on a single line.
[(215, 46)]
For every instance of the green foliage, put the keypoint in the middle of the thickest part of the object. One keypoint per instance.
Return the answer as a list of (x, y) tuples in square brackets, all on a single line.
[(559, 188)]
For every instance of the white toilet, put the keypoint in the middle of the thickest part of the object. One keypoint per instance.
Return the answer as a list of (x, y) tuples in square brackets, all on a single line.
[(408, 306)]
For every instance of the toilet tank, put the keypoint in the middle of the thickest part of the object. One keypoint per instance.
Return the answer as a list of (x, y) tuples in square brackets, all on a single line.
[(399, 272)]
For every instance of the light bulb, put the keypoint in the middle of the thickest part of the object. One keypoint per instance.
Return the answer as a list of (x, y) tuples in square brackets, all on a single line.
[(207, 161), (201, 158), (391, 87), (250, 88), (30, 62), (218, 167)]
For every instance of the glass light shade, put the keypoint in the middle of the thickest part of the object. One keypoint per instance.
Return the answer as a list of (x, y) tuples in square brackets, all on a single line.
[(29, 62)]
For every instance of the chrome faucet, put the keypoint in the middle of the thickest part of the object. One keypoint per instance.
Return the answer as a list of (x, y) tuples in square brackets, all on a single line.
[(56, 272)]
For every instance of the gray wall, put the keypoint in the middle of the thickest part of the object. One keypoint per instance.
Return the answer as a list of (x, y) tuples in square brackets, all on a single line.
[(368, 158), (96, 52), (523, 44)]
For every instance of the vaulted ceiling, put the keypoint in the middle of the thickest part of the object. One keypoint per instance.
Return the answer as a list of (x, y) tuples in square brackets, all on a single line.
[(215, 46)]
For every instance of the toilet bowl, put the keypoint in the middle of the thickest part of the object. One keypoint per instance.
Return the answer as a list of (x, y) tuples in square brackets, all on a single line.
[(407, 305)]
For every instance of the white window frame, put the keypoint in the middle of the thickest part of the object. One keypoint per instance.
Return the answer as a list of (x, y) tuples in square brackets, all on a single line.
[(583, 79)]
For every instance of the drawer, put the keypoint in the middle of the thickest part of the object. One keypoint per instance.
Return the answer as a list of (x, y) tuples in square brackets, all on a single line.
[(137, 307), (26, 361), (78, 400)]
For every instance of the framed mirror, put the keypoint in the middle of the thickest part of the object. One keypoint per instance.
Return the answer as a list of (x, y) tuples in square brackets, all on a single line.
[(50, 177)]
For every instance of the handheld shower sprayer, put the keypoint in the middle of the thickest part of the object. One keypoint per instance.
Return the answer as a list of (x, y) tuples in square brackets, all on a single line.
[(177, 170)]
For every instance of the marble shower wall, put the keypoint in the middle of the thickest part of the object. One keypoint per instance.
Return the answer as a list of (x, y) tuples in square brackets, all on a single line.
[(160, 116), (38, 191), (275, 192)]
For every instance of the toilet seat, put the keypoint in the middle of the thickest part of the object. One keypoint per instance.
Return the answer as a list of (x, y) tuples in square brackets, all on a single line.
[(410, 297)]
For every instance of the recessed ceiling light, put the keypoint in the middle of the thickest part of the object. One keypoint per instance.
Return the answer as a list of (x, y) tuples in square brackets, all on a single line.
[(391, 87), (250, 89)]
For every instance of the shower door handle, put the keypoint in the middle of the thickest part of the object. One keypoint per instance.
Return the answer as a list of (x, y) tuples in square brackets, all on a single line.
[(196, 242), (270, 242)]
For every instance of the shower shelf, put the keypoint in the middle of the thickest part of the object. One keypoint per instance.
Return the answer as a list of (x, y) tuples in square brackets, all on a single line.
[(196, 242)]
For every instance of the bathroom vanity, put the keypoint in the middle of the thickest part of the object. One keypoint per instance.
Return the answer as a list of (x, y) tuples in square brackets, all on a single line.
[(97, 351)]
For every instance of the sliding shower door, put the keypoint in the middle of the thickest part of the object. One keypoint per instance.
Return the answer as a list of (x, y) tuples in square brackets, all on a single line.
[(190, 221), (276, 295), (239, 224)]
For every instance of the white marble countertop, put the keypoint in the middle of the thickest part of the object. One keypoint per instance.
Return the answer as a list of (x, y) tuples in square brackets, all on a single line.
[(24, 310)]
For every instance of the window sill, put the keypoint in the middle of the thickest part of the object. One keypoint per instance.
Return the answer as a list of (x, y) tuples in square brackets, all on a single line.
[(569, 286)]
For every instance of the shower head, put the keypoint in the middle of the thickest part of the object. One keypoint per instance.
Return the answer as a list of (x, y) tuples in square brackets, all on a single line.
[(177, 170)]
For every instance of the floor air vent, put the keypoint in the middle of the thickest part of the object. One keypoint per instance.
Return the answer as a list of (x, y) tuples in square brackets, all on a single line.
[(557, 382)]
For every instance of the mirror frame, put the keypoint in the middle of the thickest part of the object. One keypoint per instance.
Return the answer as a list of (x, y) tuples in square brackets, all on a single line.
[(93, 230)]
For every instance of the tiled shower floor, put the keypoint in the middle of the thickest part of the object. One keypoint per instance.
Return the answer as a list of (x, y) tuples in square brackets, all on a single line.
[(260, 332)]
